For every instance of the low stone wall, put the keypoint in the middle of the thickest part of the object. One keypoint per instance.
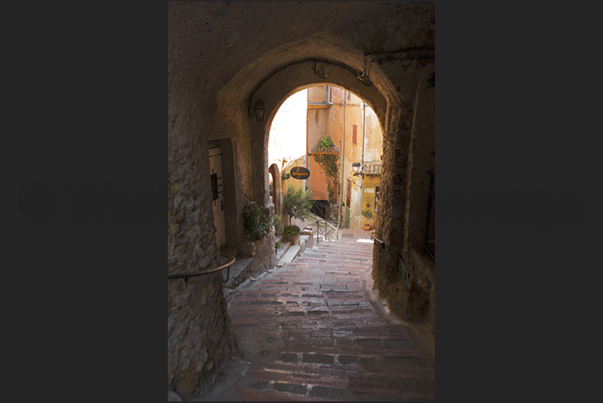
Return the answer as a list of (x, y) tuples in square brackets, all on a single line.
[(263, 258)]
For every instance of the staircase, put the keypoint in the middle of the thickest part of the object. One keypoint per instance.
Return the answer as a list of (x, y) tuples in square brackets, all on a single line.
[(287, 252)]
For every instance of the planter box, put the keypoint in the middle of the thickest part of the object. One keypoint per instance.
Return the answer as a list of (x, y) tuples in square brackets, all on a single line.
[(307, 231)]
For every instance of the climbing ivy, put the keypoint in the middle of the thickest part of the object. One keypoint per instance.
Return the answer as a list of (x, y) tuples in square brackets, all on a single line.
[(329, 164)]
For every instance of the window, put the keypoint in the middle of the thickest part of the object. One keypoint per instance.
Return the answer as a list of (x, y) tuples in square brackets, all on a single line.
[(214, 186), (354, 134)]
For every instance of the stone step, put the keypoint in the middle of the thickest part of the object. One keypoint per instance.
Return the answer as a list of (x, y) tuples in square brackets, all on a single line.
[(291, 254), (237, 267), (282, 250)]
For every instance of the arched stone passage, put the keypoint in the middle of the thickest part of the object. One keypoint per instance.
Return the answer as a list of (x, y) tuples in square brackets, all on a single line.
[(222, 56), (391, 90)]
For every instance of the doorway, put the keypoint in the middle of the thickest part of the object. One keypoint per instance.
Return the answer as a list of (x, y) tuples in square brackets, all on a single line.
[(217, 189)]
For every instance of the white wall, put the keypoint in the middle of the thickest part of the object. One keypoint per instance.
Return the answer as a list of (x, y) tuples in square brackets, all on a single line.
[(288, 131)]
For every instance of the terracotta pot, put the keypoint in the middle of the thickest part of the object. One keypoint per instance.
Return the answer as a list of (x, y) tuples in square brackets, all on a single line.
[(367, 227)]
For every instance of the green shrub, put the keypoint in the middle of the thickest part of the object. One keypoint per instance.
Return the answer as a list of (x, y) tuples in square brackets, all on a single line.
[(298, 203), (278, 245), (255, 221), (278, 225)]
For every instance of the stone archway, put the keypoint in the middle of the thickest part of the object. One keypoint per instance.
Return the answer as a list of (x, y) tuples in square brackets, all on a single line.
[(276, 89), (276, 190)]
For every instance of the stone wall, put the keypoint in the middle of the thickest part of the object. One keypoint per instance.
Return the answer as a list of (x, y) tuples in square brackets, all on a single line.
[(401, 223), (264, 258), (197, 318), (421, 161), (198, 343), (197, 325)]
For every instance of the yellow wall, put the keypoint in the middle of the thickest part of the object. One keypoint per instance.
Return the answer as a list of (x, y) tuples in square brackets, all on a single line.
[(292, 182)]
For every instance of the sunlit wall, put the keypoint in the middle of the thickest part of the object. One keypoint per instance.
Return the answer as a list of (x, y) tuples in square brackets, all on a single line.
[(288, 131)]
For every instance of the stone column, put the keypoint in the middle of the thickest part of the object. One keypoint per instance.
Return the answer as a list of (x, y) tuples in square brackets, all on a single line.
[(197, 319), (391, 222)]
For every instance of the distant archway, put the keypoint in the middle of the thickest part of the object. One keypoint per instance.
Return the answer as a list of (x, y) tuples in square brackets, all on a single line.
[(284, 83), (276, 188)]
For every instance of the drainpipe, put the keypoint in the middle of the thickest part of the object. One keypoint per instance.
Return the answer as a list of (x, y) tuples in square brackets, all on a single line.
[(342, 159), (362, 156), (363, 136)]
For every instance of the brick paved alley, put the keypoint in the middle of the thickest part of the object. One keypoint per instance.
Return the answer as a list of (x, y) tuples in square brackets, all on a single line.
[(307, 331)]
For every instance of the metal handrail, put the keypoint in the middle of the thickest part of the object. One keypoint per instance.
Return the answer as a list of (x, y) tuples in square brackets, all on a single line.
[(328, 211), (201, 273), (381, 243)]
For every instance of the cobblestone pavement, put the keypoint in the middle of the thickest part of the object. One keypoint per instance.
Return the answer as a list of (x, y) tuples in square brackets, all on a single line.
[(307, 331)]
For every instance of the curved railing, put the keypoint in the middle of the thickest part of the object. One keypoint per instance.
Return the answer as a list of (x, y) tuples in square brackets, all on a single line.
[(201, 273), (379, 241)]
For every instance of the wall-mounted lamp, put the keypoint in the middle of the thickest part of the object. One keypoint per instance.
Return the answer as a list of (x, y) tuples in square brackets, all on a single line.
[(260, 110), (357, 168)]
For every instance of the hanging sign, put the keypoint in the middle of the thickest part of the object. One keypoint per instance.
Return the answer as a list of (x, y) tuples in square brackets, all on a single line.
[(300, 173)]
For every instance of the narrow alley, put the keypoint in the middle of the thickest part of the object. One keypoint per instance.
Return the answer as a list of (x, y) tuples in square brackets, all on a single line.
[(314, 330)]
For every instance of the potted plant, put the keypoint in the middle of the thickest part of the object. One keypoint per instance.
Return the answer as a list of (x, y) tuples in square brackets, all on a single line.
[(291, 233), (368, 214)]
